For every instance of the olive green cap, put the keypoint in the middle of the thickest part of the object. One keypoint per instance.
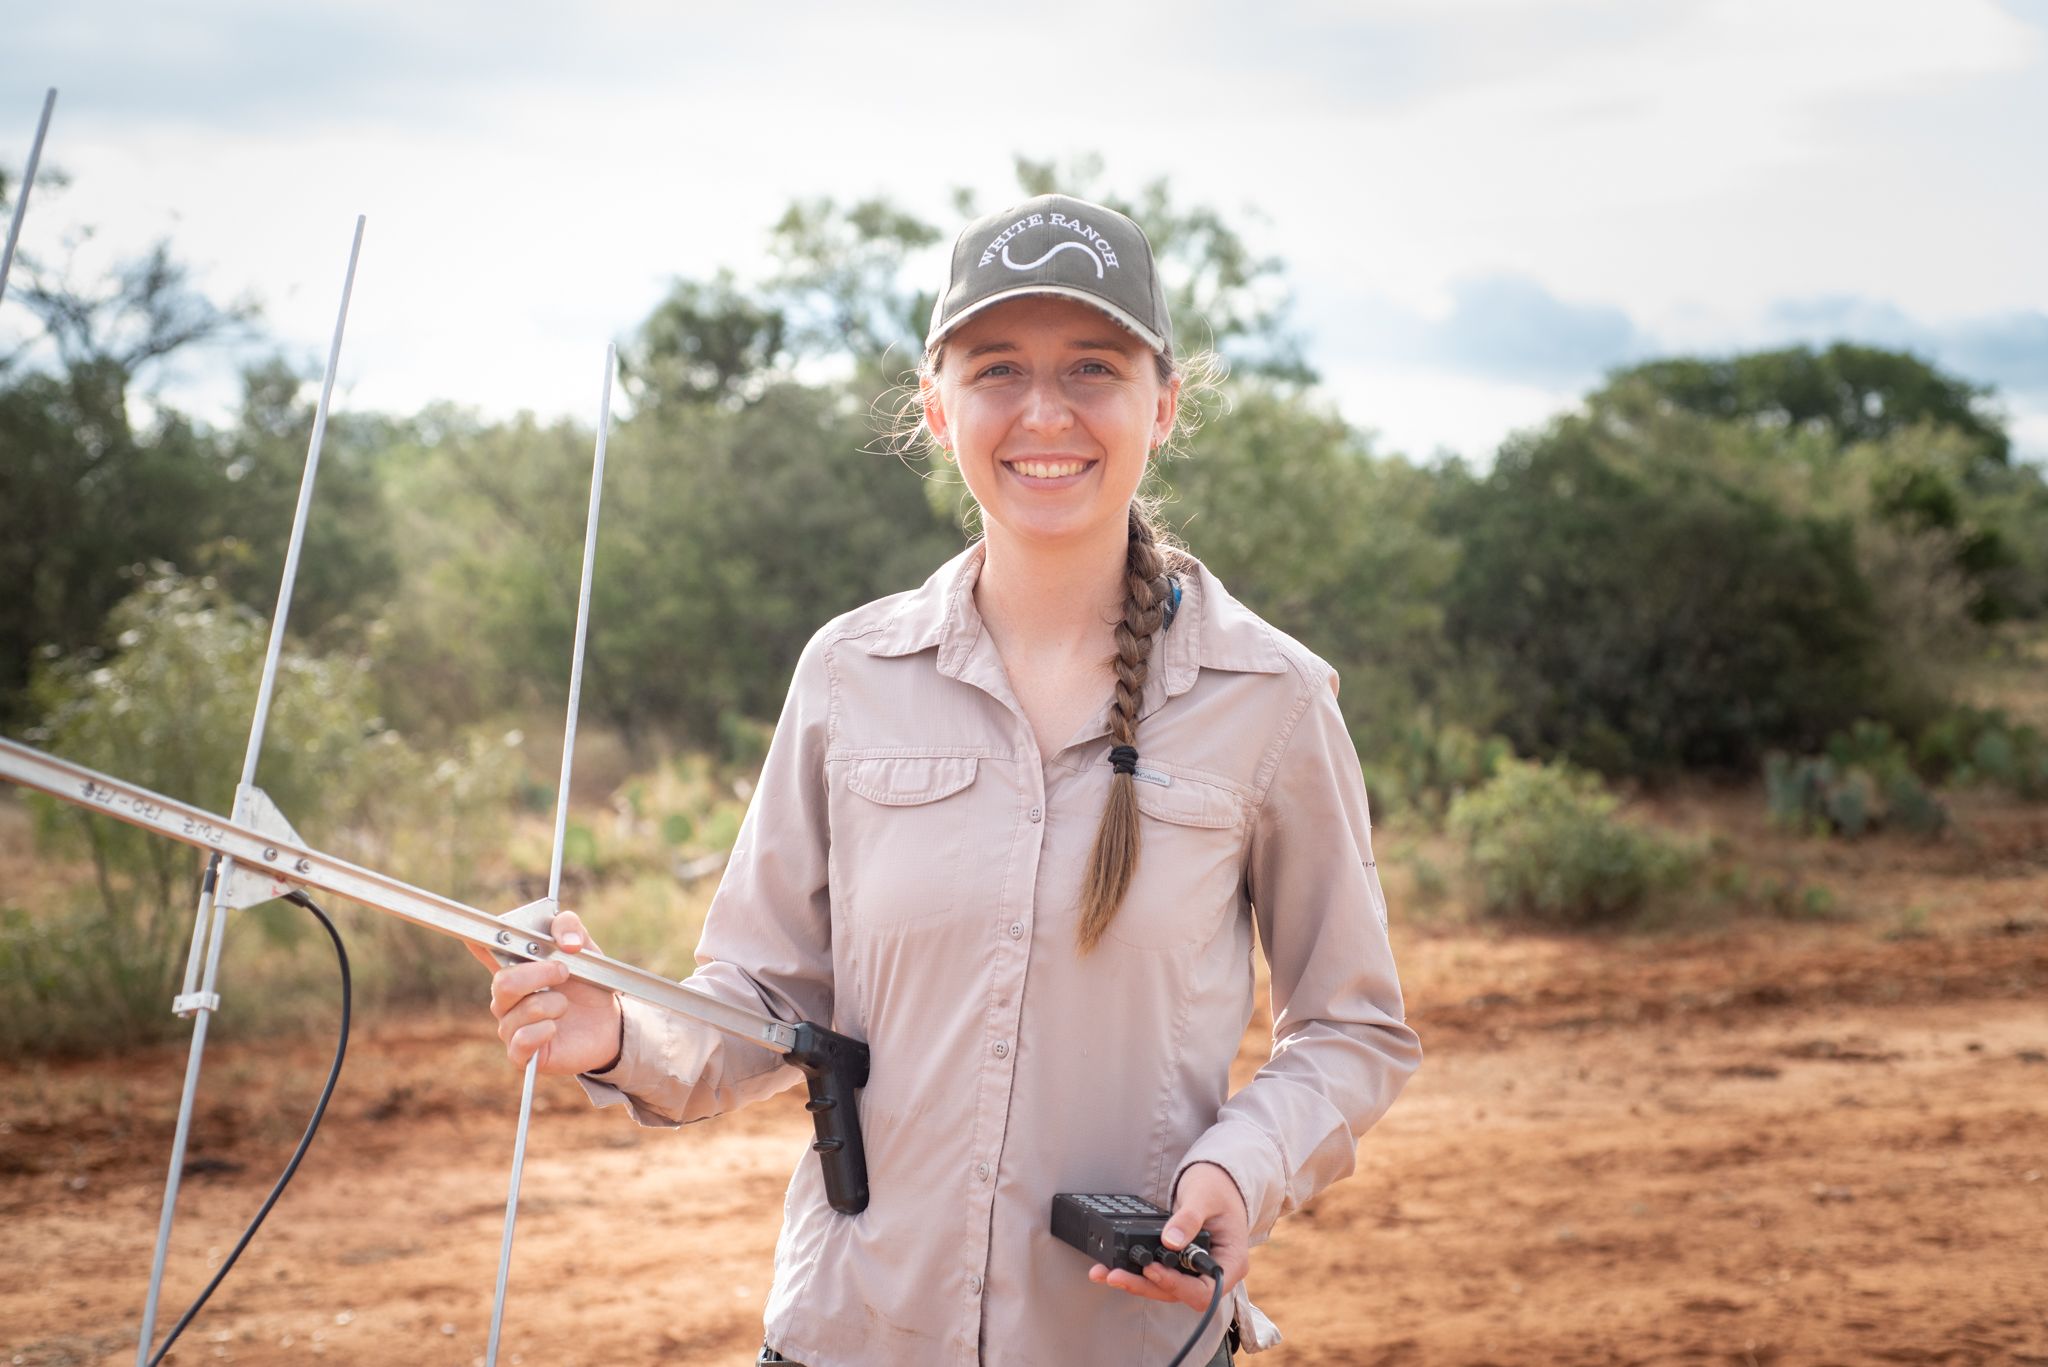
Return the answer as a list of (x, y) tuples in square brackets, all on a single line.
[(1056, 244)]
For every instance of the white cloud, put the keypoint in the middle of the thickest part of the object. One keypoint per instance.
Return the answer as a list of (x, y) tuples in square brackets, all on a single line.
[(1422, 414), (533, 175)]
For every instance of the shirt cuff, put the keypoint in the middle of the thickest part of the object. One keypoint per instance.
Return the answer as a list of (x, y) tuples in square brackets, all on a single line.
[(1252, 1162), (642, 1065)]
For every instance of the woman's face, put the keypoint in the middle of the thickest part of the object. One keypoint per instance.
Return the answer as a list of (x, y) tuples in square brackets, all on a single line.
[(1051, 411)]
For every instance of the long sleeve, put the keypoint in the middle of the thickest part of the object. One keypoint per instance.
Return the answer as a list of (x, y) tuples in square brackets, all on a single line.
[(767, 942), (1341, 1048)]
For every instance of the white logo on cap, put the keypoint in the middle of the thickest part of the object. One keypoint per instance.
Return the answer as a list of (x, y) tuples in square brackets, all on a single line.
[(1094, 243), (1057, 248)]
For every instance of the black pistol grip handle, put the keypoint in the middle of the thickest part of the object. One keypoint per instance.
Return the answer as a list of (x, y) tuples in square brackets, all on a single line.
[(834, 1068)]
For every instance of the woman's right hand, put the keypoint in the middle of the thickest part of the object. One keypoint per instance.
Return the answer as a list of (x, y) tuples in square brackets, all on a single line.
[(574, 1026)]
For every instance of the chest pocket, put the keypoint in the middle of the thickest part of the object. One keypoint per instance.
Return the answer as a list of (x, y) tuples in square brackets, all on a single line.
[(1190, 864), (901, 829)]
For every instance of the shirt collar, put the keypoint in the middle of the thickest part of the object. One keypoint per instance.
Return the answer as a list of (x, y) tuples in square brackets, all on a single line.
[(1212, 630)]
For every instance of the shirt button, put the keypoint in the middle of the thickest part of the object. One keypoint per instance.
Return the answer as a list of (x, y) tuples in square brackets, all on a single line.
[(974, 1283), (1002, 1049), (1036, 813), (981, 1171), (1016, 930)]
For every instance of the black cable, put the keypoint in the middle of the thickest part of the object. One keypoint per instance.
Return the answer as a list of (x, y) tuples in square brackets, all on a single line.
[(305, 1140), (1197, 1260)]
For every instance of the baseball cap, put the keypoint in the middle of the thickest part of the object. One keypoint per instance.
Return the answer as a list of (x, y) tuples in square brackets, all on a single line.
[(1056, 244)]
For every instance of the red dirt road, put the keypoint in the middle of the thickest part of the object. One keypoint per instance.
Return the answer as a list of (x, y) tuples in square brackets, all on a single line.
[(1772, 1144)]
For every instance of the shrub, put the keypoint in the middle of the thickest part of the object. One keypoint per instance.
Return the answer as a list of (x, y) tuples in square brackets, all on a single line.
[(1429, 765), (1862, 784), (1546, 845), (170, 711), (1970, 745), (1649, 605)]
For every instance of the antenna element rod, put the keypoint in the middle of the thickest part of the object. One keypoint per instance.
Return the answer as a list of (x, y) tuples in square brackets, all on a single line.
[(604, 422), (207, 938), (28, 180)]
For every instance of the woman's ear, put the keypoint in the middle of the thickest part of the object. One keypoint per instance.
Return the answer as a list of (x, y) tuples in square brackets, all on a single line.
[(1168, 410), (934, 414)]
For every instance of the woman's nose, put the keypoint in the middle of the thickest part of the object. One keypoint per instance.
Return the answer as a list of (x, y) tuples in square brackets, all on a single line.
[(1045, 407)]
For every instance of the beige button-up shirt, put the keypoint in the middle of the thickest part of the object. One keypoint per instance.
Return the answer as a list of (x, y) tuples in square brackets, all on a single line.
[(909, 873)]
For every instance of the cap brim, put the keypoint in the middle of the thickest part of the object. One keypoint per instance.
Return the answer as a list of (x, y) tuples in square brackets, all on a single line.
[(1096, 301)]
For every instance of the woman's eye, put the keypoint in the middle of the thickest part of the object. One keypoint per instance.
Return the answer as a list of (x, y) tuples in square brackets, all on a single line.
[(1096, 368), (999, 370)]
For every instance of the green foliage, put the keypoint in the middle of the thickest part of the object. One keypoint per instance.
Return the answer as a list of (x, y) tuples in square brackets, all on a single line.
[(841, 279), (1429, 766), (1865, 782), (1644, 608), (2007, 506), (1982, 746), (347, 567), (705, 343), (1431, 884), (1854, 393), (743, 742), (1547, 847), (1912, 448), (727, 538), (84, 493), (1781, 895), (169, 710), (83, 498), (1330, 543)]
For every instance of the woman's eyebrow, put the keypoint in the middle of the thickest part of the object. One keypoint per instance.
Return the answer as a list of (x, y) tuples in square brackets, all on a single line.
[(1121, 348)]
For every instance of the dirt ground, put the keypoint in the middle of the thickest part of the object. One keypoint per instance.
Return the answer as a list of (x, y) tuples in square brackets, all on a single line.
[(1768, 1142)]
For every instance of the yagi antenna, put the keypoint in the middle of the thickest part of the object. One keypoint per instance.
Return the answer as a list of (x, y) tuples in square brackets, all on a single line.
[(255, 855)]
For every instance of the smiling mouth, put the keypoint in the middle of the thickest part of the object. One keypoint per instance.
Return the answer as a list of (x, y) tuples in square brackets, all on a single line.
[(1049, 469)]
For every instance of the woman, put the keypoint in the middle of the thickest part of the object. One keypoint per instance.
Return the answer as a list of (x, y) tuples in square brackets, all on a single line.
[(1014, 831)]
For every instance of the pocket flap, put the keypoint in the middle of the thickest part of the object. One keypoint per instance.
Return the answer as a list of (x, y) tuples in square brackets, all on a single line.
[(907, 780), (1190, 802)]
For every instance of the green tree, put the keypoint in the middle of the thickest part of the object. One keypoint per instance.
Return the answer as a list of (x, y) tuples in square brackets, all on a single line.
[(1645, 608), (1858, 393), (840, 280), (707, 342), (727, 537), (1945, 456), (84, 500), (1328, 541), (85, 495), (347, 569), (488, 532)]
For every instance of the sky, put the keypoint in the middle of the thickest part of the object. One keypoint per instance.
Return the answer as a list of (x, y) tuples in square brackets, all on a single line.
[(1483, 205)]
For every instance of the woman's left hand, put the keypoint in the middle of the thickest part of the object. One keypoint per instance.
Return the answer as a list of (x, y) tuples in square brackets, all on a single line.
[(1207, 1199)]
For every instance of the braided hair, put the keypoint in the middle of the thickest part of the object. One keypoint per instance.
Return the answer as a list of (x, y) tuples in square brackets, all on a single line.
[(1114, 860)]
